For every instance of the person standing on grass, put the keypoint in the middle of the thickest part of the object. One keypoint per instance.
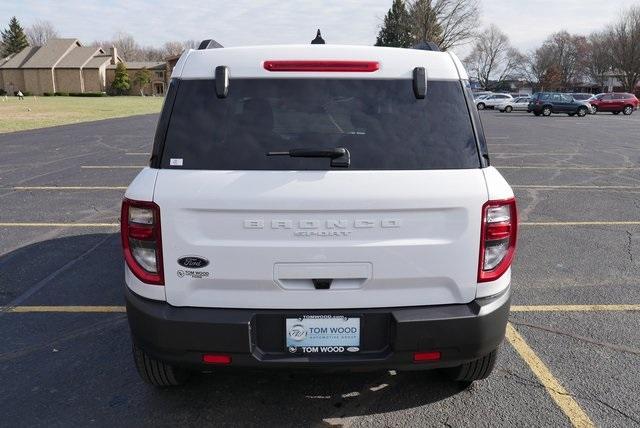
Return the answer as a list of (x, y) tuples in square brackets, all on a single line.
[(20, 95)]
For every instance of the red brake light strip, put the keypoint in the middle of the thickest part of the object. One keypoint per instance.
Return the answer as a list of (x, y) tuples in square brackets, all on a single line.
[(323, 66)]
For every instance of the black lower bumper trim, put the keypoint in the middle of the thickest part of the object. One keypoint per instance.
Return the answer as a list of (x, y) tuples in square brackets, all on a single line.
[(256, 337)]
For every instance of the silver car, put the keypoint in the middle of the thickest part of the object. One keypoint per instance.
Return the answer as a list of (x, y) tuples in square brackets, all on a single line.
[(516, 104), (492, 101)]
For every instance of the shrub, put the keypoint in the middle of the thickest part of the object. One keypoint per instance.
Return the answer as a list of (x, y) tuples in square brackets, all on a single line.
[(61, 94), (27, 93), (88, 94), (47, 94), (3, 92)]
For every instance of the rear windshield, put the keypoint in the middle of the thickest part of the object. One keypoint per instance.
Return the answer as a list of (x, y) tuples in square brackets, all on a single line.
[(380, 122)]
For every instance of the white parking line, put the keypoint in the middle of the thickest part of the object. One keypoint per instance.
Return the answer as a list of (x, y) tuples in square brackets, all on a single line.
[(604, 168), (113, 166), (576, 187), (70, 188)]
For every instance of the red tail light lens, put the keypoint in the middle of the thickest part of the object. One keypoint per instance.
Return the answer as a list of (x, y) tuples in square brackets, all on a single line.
[(329, 65), (497, 238), (142, 240)]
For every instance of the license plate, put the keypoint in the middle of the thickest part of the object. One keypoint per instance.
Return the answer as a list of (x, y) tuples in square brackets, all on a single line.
[(323, 334)]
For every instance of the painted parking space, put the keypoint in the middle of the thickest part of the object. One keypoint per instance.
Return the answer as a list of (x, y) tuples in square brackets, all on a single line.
[(577, 256), (595, 355)]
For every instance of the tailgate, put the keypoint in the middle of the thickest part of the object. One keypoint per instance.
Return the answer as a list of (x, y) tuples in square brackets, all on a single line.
[(321, 239)]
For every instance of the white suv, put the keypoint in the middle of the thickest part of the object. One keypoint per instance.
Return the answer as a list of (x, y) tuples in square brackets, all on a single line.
[(491, 101), (326, 207)]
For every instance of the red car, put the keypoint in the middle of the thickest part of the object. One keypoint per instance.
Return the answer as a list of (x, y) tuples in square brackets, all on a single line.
[(615, 102)]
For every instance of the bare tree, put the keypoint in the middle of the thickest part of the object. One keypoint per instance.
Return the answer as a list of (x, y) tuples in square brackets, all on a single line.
[(493, 57), (173, 48), (150, 53), (40, 32), (539, 70), (598, 61), (569, 54), (128, 48), (191, 44), (623, 41), (459, 20), (449, 23)]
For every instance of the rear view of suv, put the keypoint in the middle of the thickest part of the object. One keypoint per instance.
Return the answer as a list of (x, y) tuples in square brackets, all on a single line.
[(318, 207)]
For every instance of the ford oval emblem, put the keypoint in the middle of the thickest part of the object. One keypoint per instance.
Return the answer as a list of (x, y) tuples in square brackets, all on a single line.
[(193, 262)]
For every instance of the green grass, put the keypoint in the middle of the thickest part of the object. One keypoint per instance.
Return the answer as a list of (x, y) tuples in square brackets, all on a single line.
[(41, 112)]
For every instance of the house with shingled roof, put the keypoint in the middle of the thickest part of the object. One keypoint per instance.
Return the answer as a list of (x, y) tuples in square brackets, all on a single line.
[(65, 65)]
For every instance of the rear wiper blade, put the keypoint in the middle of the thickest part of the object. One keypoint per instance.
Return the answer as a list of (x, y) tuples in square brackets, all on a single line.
[(340, 157)]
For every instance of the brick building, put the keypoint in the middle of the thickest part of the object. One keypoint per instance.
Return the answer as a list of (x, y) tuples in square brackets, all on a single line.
[(65, 65)]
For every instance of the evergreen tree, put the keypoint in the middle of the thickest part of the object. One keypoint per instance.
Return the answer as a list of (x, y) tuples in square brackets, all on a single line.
[(425, 23), (13, 39), (396, 30), (121, 82), (142, 78)]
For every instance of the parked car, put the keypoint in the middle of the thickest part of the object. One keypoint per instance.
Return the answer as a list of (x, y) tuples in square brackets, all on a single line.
[(294, 222), (480, 94), (516, 104), (581, 96), (616, 103), (492, 100), (546, 103)]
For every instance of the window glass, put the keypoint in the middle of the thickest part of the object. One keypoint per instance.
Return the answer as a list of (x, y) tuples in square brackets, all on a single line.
[(380, 122)]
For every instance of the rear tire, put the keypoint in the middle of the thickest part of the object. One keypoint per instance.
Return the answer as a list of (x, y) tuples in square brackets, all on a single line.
[(481, 106), (546, 111), (627, 110), (508, 109), (536, 113), (473, 370), (156, 372), (582, 112), (571, 114), (616, 112), (594, 109)]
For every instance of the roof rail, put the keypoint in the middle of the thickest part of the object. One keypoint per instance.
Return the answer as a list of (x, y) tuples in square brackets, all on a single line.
[(209, 44), (427, 46)]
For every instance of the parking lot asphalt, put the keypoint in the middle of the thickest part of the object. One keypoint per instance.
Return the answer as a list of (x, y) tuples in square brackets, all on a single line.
[(572, 356)]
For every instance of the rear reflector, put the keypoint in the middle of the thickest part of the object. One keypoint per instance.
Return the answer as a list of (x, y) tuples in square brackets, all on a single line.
[(419, 357), (216, 359), (331, 66)]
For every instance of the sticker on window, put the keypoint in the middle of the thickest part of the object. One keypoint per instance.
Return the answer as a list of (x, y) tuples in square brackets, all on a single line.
[(175, 162)]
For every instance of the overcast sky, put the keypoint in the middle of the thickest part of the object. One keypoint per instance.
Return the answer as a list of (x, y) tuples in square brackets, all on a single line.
[(250, 22)]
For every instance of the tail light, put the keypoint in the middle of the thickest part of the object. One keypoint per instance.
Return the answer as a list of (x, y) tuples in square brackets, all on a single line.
[(497, 238), (141, 240)]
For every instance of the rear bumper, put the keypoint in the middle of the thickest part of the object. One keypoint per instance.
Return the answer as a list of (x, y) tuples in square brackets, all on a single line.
[(256, 338)]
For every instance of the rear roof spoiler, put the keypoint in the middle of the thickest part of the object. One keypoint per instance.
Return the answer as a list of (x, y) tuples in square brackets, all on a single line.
[(209, 44), (427, 46)]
